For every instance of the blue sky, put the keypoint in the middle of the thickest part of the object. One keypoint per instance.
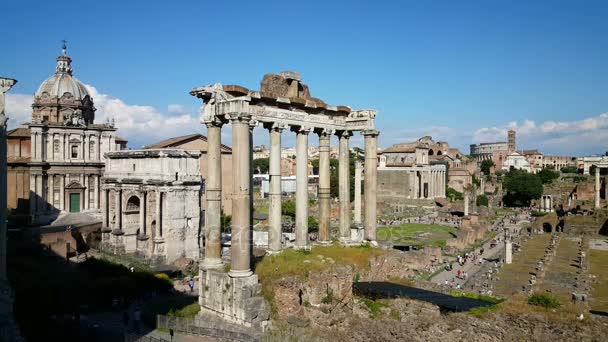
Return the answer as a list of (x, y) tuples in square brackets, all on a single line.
[(462, 71)]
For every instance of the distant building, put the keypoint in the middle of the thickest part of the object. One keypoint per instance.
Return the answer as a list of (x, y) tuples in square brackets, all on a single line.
[(405, 173), (495, 151), (517, 161), (56, 161), (198, 142)]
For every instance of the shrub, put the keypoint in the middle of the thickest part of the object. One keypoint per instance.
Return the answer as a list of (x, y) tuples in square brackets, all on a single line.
[(162, 276), (453, 195), (538, 214), (313, 224), (547, 175), (569, 169), (546, 300), (482, 200)]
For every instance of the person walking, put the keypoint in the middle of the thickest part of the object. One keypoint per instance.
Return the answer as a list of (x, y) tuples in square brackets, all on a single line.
[(125, 320)]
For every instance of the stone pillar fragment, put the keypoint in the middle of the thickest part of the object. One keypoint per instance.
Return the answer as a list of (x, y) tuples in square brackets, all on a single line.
[(344, 185), (597, 187), (302, 188), (213, 188), (324, 187), (241, 201), (371, 177), (466, 203), (275, 193), (508, 252)]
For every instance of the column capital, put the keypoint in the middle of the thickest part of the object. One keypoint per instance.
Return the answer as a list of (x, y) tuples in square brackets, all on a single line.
[(213, 123), (274, 126), (239, 117), (344, 134), (301, 129), (370, 132), (325, 132)]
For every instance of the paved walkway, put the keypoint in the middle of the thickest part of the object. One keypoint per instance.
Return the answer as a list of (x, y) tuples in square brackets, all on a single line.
[(471, 267)]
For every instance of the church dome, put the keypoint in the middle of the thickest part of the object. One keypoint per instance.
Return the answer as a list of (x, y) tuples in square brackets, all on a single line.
[(63, 81), (62, 99)]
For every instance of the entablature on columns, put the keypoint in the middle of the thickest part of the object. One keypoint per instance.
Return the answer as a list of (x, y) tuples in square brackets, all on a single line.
[(222, 103)]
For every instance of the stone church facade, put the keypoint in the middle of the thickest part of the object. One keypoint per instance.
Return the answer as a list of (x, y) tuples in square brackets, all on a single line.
[(56, 161)]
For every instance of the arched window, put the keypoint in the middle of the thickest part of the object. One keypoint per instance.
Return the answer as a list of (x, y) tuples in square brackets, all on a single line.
[(133, 203)]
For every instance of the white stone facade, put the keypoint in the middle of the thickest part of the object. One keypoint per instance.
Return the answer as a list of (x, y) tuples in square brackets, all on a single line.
[(516, 161), (152, 204)]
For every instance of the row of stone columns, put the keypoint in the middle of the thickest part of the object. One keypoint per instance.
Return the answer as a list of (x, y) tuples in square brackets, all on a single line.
[(241, 197)]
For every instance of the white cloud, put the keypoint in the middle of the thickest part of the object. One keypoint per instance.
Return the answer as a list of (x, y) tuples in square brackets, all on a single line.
[(142, 124), (18, 109), (577, 137)]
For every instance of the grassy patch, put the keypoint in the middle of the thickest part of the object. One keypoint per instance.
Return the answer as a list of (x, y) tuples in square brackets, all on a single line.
[(374, 307), (457, 293), (545, 300), (186, 311), (417, 234), (300, 263), (597, 263)]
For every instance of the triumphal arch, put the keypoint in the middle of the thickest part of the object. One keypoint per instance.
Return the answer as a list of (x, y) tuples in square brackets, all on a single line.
[(283, 103)]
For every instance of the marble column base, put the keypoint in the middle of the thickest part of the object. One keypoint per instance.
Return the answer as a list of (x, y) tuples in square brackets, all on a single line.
[(212, 263)]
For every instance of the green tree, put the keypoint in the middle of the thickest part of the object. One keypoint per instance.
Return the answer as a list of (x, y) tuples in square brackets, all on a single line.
[(521, 188), (453, 194), (313, 224), (486, 165), (260, 166), (288, 208), (482, 200), (569, 169), (547, 175)]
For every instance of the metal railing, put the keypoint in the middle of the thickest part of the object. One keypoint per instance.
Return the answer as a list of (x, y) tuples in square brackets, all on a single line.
[(135, 338), (202, 327)]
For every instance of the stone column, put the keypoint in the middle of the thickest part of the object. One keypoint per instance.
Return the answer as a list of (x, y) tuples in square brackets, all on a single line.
[(357, 203), (324, 186), (301, 188), (241, 205), (62, 192), (96, 192), (40, 192), (275, 192), (213, 188), (85, 147), (142, 213), (51, 191), (158, 234), (431, 183), (105, 209), (118, 208), (87, 192), (5, 85), (344, 185), (597, 187), (466, 203), (371, 177)]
